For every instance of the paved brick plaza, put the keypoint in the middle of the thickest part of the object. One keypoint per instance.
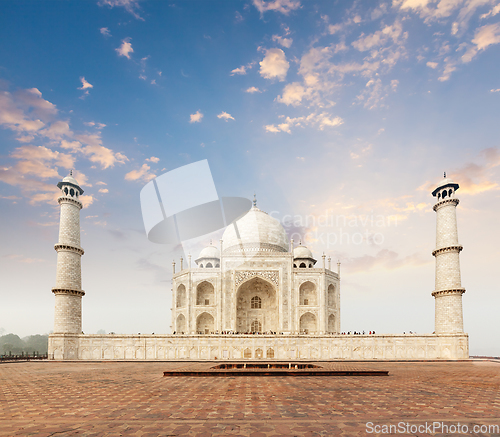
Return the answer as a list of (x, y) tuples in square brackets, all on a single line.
[(134, 399)]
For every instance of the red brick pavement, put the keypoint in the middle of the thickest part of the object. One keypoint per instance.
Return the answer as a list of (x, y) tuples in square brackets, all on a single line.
[(134, 399)]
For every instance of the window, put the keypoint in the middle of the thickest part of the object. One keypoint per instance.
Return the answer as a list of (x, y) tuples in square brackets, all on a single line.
[(306, 301), (256, 326), (209, 265), (207, 301), (302, 265), (256, 302), (247, 353), (72, 192), (270, 353)]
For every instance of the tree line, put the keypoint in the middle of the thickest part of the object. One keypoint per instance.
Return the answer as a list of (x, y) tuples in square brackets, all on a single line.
[(12, 344)]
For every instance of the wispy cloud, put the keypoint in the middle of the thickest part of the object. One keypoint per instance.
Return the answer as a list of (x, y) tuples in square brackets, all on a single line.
[(285, 42), (321, 120), (252, 90), (196, 117), (143, 174), (131, 6), (126, 48), (225, 116), (105, 31), (85, 86), (283, 6)]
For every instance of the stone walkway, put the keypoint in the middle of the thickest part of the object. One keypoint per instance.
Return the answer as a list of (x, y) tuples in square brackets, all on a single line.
[(134, 399)]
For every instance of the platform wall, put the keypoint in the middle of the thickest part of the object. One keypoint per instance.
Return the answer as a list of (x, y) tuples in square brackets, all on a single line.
[(256, 347)]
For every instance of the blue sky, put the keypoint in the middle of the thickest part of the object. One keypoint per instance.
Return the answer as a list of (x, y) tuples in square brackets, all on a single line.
[(343, 109)]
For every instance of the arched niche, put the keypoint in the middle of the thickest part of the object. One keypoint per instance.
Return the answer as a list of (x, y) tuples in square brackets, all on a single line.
[(331, 323), (205, 294), (181, 296), (331, 295), (180, 324), (308, 323), (308, 294), (205, 323)]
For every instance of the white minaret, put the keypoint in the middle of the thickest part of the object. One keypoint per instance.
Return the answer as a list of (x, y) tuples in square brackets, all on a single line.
[(448, 289), (68, 290)]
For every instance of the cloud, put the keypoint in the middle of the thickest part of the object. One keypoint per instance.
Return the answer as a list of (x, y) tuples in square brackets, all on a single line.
[(474, 177), (432, 65), (141, 174), (103, 190), (484, 37), (292, 94), (252, 90), (283, 6), (240, 70), (285, 42), (126, 48), (491, 13), (384, 259), (105, 31), (321, 121), (85, 84), (495, 91), (23, 112), (243, 69), (131, 6), (153, 159), (101, 183), (225, 116), (196, 117), (439, 10), (378, 38), (274, 65), (23, 259)]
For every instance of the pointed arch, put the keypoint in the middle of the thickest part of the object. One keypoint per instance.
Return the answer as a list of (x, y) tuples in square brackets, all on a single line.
[(331, 324), (331, 295), (181, 296), (205, 293), (205, 323), (308, 323), (308, 294), (180, 325)]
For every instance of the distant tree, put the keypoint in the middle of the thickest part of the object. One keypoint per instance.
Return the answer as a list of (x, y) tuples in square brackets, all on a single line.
[(36, 343), (11, 343), (101, 331)]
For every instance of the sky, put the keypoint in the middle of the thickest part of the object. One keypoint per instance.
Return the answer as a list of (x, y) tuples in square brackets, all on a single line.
[(340, 115)]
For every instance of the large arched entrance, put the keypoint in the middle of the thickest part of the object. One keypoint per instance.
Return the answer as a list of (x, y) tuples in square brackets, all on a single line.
[(256, 307)]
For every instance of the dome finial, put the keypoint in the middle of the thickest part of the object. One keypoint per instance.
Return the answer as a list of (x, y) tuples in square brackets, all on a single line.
[(445, 175), (71, 172), (254, 200)]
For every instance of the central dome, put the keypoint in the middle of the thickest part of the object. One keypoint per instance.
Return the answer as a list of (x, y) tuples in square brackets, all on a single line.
[(256, 231)]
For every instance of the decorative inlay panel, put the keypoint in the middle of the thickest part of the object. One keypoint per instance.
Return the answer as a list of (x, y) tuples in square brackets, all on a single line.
[(269, 275)]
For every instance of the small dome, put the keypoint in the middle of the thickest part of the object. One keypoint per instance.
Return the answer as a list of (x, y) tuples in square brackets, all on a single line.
[(70, 179), (255, 231), (445, 182), (210, 252), (302, 252)]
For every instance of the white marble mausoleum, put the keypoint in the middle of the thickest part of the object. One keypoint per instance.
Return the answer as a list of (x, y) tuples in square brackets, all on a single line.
[(257, 296)]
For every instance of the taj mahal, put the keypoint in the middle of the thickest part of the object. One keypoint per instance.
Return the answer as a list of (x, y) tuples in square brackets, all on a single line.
[(257, 295)]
